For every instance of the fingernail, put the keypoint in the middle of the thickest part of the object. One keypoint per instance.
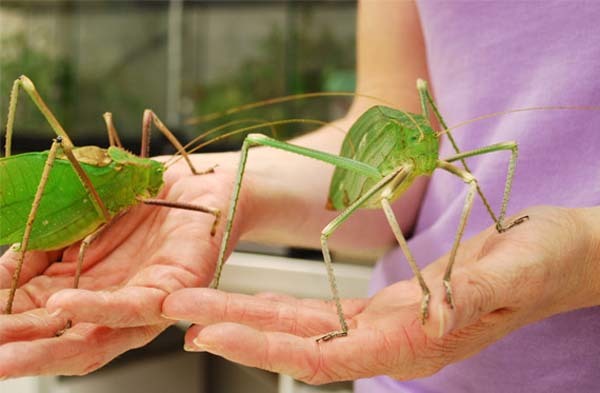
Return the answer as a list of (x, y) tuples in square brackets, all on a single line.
[(56, 313), (197, 346), (169, 317)]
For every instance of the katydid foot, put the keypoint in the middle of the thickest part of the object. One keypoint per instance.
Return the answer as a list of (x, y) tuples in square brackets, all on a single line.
[(332, 335), (449, 297), (425, 307), (62, 331), (501, 228)]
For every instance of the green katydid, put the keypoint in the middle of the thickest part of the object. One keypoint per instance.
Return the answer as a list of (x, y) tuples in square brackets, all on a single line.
[(67, 194), (383, 153)]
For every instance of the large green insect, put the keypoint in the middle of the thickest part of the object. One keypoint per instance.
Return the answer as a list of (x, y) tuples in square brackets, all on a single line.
[(51, 199), (383, 153)]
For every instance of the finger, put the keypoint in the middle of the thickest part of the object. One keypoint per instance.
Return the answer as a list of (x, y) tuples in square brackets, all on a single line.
[(29, 326), (35, 263), (126, 307), (358, 355), (36, 292), (351, 306), (207, 306), (82, 349), (190, 335)]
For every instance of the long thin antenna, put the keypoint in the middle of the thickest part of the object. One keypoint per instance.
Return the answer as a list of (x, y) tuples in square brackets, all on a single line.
[(278, 100), (177, 157), (518, 110)]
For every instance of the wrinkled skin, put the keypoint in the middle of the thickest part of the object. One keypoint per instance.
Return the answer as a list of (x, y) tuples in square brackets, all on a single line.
[(501, 282)]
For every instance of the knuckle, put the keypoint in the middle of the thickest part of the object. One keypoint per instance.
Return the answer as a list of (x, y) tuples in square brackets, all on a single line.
[(480, 293)]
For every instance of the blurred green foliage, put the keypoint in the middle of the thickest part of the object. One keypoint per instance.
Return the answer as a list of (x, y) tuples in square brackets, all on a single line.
[(308, 61), (54, 76), (97, 69)]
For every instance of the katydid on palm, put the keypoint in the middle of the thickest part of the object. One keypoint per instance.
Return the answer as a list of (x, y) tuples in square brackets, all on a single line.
[(55, 198), (384, 151)]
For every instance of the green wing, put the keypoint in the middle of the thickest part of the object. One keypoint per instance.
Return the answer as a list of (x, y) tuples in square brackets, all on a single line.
[(66, 213), (370, 140), (383, 138), (64, 210)]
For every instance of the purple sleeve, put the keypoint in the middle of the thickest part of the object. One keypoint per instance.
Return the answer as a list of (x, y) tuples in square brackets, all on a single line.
[(491, 56)]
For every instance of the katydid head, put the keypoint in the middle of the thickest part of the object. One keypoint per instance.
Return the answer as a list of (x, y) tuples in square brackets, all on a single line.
[(410, 134), (151, 170), (155, 176)]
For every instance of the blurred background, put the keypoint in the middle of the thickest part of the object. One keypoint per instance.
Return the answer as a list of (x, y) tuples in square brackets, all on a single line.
[(182, 59), (179, 58)]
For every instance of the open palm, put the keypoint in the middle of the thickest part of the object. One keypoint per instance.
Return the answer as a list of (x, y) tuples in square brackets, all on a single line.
[(128, 271), (501, 282)]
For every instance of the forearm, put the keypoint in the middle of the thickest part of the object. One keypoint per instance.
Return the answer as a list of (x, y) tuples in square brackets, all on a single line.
[(283, 196), (589, 293), (289, 193)]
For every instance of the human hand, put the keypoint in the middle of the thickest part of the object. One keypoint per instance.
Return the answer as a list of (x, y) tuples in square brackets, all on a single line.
[(127, 273), (548, 265)]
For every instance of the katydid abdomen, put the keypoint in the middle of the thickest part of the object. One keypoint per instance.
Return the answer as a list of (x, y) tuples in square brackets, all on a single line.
[(66, 214)]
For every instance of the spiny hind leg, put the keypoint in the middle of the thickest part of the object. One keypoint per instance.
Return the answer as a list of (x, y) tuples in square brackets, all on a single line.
[(512, 146), (426, 295), (30, 220), (472, 182)]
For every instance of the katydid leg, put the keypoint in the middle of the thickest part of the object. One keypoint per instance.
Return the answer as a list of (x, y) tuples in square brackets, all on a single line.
[(85, 243), (150, 117), (425, 98), (512, 146), (390, 180), (468, 178), (30, 220), (187, 206), (113, 136), (67, 146), (426, 294)]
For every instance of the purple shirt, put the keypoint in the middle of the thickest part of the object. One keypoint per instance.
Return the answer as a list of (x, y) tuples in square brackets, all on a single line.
[(486, 57)]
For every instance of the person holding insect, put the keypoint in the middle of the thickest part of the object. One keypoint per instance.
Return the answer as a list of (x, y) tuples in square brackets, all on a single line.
[(526, 317)]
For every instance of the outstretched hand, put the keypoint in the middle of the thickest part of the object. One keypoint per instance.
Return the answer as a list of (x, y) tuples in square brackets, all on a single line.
[(501, 282), (128, 271)]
